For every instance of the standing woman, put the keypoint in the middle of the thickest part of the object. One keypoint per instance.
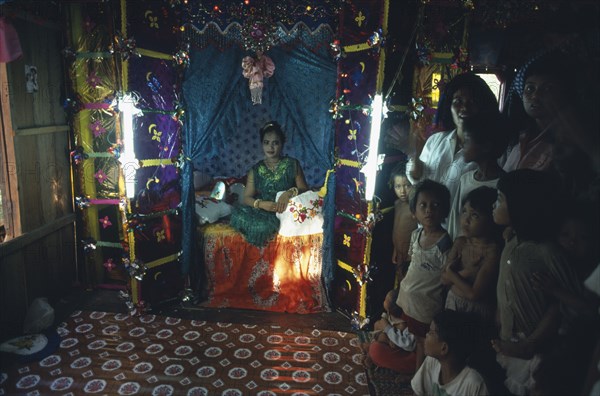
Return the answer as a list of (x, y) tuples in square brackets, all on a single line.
[(255, 218), (441, 159)]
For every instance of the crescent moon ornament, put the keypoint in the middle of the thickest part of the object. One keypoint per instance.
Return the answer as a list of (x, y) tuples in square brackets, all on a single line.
[(156, 275), (148, 76), (349, 285), (362, 67)]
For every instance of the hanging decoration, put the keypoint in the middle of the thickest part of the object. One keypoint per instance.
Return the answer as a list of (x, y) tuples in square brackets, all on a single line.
[(256, 70), (259, 33)]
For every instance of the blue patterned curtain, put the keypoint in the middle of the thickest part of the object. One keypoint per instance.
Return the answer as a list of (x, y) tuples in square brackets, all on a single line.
[(221, 128)]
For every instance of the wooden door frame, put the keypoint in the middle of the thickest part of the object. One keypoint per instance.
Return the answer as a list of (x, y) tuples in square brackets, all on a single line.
[(8, 164)]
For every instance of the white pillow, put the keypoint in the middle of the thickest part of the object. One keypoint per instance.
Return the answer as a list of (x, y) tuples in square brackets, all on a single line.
[(209, 210), (303, 215)]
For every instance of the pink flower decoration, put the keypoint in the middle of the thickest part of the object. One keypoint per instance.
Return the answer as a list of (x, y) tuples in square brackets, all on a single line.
[(100, 176), (105, 222), (94, 80), (97, 128), (110, 264)]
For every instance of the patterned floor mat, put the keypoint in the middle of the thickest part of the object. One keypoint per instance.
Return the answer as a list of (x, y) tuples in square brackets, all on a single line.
[(116, 354)]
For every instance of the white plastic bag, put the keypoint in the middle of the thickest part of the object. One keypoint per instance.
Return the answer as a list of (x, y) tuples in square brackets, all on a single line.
[(39, 317)]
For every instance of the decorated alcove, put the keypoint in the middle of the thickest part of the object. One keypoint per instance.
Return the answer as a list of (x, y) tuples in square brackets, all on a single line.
[(222, 121), (323, 102), (158, 92)]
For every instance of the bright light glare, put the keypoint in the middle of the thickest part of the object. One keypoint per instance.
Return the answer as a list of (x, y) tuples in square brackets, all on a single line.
[(129, 163), (370, 168)]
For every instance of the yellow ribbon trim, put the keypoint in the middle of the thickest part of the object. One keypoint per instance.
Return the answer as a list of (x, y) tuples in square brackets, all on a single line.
[(345, 162), (357, 47), (162, 261), (345, 266), (156, 162), (154, 54), (131, 239)]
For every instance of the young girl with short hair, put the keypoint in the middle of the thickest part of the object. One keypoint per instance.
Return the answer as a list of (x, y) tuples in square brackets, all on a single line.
[(472, 269)]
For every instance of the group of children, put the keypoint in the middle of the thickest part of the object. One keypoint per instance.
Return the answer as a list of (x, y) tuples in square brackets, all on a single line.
[(519, 274), (495, 263)]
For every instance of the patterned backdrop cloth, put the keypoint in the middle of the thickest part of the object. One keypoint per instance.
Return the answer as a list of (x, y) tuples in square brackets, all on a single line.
[(117, 354)]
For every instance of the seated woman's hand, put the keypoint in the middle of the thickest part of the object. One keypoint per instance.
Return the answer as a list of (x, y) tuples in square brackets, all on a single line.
[(282, 202)]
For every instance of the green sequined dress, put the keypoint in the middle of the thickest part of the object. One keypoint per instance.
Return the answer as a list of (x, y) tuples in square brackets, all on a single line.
[(256, 225)]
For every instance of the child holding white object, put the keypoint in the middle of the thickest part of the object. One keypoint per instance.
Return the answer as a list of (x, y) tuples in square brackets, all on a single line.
[(392, 343)]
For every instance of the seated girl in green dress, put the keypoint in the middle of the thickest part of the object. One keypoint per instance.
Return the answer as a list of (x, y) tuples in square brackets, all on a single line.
[(255, 217)]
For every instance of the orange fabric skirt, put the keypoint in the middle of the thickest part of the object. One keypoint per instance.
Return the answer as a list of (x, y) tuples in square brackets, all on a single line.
[(283, 276)]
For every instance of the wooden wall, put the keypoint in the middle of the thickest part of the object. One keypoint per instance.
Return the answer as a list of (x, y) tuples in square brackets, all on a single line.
[(42, 261)]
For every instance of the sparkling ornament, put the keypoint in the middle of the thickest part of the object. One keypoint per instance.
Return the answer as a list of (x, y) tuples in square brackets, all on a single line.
[(415, 108), (358, 322), (259, 33), (82, 202), (187, 295), (366, 227), (362, 274), (182, 57), (124, 46), (89, 245), (336, 50), (78, 155), (137, 269)]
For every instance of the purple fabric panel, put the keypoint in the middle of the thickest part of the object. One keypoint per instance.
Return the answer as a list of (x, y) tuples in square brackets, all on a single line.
[(154, 80), (153, 25)]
